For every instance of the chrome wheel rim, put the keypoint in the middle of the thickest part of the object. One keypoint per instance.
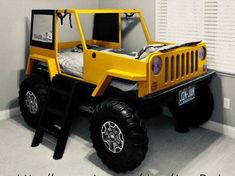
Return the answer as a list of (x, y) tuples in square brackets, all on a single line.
[(112, 137), (31, 102)]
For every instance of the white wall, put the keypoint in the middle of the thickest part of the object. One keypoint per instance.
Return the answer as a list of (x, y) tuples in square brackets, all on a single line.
[(223, 86), (15, 16)]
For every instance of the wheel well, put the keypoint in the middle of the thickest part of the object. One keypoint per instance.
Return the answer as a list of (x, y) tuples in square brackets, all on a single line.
[(41, 68)]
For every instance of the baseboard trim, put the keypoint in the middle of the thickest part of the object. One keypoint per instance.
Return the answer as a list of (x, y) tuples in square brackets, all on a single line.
[(220, 128), (6, 114)]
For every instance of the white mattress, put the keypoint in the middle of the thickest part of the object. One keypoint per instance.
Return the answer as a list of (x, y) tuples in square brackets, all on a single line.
[(71, 62)]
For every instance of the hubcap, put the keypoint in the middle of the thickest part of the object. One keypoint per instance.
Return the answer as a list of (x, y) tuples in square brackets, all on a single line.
[(31, 102), (112, 137)]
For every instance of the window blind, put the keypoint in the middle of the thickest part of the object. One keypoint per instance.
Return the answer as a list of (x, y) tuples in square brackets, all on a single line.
[(212, 21)]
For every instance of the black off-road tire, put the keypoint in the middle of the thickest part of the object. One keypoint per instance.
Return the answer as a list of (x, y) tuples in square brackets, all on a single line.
[(134, 132), (196, 112), (39, 86)]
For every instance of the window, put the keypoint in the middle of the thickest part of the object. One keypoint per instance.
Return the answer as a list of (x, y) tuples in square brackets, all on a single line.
[(68, 31), (212, 21), (42, 30), (106, 27)]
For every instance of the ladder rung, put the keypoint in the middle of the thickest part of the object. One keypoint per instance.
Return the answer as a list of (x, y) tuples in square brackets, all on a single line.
[(52, 131), (58, 113), (57, 127)]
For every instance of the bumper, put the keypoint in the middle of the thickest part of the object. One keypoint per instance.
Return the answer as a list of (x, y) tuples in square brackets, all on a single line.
[(198, 82)]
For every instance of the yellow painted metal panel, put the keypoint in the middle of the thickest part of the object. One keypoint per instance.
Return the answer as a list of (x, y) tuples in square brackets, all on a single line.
[(126, 75), (145, 28), (92, 11), (104, 82), (96, 68), (79, 26), (51, 63), (56, 47), (101, 66), (102, 85)]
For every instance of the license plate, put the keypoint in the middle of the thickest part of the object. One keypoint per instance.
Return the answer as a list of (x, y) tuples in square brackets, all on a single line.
[(186, 95)]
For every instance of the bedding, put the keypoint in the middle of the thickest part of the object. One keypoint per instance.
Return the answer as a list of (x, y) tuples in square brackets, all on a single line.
[(71, 61)]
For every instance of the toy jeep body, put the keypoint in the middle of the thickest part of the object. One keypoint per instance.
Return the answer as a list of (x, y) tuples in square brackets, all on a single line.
[(115, 86)]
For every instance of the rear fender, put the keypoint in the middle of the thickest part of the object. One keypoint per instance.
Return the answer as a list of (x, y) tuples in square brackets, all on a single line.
[(50, 62)]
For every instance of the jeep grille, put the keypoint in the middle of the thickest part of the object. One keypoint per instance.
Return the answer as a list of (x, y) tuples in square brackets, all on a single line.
[(180, 66)]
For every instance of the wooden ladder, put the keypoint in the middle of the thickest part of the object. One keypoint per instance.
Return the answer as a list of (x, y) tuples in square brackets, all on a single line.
[(56, 117)]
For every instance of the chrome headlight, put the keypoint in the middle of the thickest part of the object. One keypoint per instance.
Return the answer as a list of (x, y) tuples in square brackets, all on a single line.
[(202, 53), (156, 65)]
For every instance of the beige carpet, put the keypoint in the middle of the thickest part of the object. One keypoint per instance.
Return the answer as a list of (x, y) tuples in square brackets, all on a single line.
[(198, 152)]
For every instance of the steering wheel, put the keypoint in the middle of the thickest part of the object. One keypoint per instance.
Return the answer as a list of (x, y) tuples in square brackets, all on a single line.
[(81, 47)]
